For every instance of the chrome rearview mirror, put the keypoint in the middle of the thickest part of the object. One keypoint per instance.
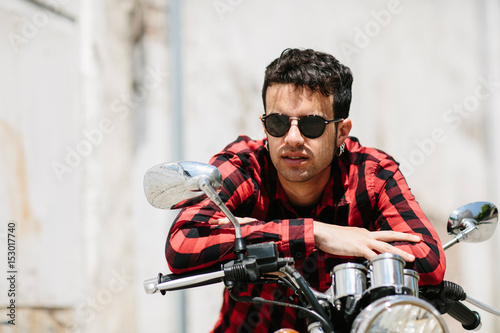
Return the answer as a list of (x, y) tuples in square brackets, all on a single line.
[(177, 185), (474, 222), (182, 184)]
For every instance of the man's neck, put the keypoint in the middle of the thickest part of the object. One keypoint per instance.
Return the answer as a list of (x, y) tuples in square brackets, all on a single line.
[(308, 193)]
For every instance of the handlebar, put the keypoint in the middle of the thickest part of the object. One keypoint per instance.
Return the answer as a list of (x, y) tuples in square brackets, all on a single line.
[(447, 297), (469, 319), (172, 282), (261, 258)]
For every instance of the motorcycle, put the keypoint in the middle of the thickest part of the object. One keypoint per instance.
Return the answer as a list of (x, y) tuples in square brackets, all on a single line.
[(377, 296)]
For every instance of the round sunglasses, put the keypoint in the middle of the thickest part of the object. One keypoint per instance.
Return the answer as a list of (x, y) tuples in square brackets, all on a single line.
[(311, 126)]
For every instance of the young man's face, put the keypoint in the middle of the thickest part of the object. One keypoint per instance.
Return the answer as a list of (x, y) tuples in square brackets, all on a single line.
[(296, 157)]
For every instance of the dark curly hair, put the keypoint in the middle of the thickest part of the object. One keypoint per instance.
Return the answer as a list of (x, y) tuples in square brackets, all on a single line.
[(318, 71)]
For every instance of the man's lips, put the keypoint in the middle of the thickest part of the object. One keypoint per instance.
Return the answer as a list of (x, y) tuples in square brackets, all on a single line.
[(294, 158)]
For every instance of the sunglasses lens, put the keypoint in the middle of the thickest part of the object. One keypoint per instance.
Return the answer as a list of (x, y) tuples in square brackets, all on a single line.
[(277, 124), (312, 126)]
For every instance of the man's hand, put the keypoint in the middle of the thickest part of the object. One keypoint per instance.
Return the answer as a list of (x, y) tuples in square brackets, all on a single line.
[(359, 242), (225, 220)]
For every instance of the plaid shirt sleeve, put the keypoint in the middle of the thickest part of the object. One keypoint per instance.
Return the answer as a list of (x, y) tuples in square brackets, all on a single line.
[(399, 211), (194, 242)]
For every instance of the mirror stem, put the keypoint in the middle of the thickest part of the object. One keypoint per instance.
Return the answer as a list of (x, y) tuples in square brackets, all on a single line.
[(470, 226), (239, 242)]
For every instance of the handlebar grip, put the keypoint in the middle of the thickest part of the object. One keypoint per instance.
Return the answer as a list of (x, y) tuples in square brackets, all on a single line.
[(171, 282), (469, 319)]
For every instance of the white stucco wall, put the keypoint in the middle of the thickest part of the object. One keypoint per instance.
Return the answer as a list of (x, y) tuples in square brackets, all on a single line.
[(40, 119), (89, 85)]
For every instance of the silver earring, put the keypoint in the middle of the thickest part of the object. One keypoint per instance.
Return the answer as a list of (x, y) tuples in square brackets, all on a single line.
[(341, 148)]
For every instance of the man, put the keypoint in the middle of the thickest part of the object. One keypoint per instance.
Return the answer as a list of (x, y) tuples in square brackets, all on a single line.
[(310, 188)]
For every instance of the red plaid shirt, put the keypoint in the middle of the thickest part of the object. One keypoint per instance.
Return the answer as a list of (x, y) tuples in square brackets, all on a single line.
[(366, 189)]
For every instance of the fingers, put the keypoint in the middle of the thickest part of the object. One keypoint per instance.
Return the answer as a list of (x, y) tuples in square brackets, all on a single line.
[(408, 257), (368, 253), (379, 246), (225, 220), (394, 236), (360, 242), (219, 222), (244, 220)]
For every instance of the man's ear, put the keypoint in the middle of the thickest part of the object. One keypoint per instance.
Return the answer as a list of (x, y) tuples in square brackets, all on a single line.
[(343, 130), (263, 126)]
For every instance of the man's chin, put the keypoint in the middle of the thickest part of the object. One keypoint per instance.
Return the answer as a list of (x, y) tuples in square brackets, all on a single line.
[(295, 176)]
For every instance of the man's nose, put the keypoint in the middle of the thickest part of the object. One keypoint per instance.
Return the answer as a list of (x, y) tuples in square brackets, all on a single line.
[(294, 137)]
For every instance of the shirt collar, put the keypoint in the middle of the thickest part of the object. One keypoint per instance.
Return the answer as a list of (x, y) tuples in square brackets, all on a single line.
[(335, 191)]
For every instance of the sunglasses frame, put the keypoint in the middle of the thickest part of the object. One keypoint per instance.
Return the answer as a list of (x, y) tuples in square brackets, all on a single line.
[(299, 122)]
